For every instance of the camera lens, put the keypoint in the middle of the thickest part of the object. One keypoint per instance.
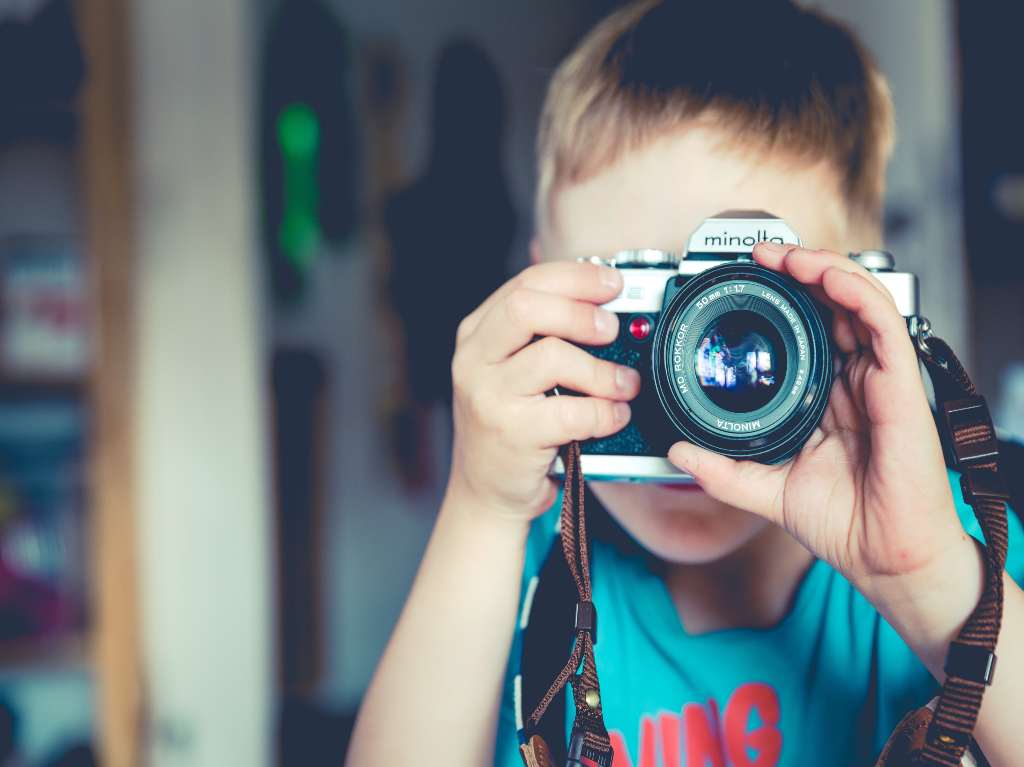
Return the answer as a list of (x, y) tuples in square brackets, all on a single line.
[(742, 363)]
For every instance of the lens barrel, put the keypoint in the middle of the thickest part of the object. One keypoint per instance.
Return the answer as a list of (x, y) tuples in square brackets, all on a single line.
[(742, 362)]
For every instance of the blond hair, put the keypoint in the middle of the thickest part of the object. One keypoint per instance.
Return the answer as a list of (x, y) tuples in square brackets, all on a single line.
[(656, 65)]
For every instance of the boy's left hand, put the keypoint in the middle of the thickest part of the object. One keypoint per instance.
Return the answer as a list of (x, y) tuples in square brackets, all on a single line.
[(869, 491)]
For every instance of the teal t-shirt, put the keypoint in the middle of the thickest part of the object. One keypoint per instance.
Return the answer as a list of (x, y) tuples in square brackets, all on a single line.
[(826, 685)]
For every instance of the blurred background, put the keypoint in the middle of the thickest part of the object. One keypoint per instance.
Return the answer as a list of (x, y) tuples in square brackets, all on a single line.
[(224, 425)]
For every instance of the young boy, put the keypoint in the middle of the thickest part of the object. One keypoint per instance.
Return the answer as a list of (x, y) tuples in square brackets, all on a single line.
[(789, 615)]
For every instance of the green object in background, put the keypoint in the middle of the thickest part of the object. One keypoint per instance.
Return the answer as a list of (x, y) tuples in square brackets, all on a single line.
[(298, 136)]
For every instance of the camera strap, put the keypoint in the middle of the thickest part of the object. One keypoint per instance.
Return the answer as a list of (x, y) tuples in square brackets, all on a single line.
[(941, 733), (589, 744)]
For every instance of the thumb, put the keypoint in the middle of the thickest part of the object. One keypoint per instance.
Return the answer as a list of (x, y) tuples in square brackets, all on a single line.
[(747, 485)]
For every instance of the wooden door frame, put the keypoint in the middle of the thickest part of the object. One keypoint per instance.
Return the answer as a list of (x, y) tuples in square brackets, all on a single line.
[(108, 220)]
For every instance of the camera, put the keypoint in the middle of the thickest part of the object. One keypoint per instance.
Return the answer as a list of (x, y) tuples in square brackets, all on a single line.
[(732, 356)]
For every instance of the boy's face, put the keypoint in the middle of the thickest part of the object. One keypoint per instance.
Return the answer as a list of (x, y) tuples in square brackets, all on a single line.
[(654, 198)]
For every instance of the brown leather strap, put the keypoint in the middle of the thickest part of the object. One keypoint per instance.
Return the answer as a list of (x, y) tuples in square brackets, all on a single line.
[(956, 712), (535, 753), (971, 659), (589, 725)]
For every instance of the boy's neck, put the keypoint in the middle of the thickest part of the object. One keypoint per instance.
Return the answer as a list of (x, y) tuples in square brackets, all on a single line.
[(753, 587)]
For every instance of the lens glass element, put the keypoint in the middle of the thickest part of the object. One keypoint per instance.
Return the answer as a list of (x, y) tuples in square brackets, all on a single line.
[(740, 361)]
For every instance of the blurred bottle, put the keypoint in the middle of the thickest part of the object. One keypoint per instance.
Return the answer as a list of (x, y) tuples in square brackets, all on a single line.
[(309, 151)]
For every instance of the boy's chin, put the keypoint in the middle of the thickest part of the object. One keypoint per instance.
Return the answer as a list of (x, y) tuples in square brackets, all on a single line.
[(680, 524)]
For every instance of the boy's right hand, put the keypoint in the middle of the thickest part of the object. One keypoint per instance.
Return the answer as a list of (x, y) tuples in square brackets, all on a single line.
[(507, 430)]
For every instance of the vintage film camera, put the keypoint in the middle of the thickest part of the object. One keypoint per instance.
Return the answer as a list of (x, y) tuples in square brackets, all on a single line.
[(732, 356)]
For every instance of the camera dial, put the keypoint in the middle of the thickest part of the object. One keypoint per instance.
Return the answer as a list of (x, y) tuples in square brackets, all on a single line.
[(875, 260), (645, 258)]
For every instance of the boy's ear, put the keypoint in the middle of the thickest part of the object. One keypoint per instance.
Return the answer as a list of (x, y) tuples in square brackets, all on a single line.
[(536, 254)]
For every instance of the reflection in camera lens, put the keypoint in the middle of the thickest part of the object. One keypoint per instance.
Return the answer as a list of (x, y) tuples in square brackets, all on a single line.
[(747, 366), (740, 361)]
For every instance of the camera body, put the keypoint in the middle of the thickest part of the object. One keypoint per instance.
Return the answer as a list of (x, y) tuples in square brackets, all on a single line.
[(731, 355)]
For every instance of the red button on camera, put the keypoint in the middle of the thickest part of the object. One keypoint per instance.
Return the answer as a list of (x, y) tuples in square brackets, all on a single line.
[(639, 328)]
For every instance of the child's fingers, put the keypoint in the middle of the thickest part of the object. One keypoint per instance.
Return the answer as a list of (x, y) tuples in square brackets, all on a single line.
[(747, 485), (848, 335), (581, 281), (556, 421), (525, 313), (553, 362), (843, 332), (808, 266), (868, 307), (771, 255)]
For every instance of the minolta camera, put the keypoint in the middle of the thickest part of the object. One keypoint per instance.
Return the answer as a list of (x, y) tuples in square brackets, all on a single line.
[(732, 356)]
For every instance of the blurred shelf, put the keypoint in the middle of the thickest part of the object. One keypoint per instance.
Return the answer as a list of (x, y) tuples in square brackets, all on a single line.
[(45, 654)]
